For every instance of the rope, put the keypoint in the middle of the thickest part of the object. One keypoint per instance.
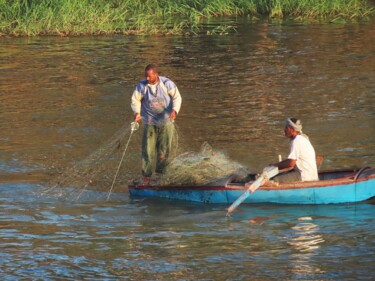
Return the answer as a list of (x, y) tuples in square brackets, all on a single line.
[(134, 127)]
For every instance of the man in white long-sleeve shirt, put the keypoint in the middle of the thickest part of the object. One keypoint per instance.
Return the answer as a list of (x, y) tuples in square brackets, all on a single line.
[(301, 158), (156, 102)]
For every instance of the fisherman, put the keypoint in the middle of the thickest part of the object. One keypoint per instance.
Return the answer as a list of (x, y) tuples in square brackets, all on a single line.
[(301, 160), (156, 101)]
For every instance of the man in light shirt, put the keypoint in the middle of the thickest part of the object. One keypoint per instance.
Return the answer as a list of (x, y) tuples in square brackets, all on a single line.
[(156, 102), (301, 159)]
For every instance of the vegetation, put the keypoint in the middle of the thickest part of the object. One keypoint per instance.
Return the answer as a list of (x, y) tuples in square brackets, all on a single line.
[(95, 17)]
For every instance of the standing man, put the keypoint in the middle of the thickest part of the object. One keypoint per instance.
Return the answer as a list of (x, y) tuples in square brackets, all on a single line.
[(301, 157), (156, 101)]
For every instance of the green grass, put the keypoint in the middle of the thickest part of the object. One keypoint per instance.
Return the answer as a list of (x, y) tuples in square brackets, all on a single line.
[(96, 17)]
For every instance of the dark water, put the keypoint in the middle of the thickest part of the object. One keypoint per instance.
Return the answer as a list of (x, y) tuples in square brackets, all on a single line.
[(62, 98)]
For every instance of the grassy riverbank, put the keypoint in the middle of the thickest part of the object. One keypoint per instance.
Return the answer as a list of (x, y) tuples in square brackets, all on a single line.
[(94, 17)]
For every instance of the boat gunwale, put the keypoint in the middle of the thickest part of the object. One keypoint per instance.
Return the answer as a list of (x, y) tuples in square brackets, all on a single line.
[(348, 179)]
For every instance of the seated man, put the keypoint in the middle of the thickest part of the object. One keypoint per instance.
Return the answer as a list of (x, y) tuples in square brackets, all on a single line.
[(301, 158)]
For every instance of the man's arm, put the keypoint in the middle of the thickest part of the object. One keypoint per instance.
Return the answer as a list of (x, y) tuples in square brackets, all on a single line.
[(136, 102), (177, 100), (285, 164)]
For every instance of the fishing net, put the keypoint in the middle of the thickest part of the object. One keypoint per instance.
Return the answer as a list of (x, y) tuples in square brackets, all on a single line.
[(97, 171), (113, 166), (203, 167)]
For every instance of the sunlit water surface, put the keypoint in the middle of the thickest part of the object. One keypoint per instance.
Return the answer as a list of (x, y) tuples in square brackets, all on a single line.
[(49, 239), (62, 98)]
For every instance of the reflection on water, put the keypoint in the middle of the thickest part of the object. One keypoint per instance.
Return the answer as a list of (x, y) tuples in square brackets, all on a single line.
[(63, 98), (305, 242), (43, 237)]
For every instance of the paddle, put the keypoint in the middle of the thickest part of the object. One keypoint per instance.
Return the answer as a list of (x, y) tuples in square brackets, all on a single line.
[(268, 172)]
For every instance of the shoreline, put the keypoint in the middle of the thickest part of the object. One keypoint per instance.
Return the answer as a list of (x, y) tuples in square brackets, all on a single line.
[(105, 18)]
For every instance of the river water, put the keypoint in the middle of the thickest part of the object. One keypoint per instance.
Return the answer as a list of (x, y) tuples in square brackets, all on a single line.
[(63, 98)]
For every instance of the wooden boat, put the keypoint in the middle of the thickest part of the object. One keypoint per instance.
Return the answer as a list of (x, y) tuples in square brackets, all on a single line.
[(334, 186)]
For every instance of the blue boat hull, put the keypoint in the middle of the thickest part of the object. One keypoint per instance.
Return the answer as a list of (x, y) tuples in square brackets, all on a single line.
[(352, 187)]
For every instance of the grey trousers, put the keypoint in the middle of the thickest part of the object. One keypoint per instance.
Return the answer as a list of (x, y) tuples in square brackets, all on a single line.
[(156, 146)]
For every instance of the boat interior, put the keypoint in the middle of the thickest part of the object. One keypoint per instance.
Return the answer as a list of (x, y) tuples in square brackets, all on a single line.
[(354, 174)]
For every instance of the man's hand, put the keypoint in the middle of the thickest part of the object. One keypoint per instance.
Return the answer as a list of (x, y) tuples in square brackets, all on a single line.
[(137, 117), (173, 115)]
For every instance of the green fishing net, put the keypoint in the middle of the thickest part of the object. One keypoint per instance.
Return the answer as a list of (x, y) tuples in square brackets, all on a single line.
[(108, 169), (199, 168), (97, 170)]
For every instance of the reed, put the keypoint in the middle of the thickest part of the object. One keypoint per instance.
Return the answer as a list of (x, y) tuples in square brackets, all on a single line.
[(95, 17)]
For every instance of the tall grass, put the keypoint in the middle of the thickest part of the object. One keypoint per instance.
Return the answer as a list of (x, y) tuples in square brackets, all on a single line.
[(81, 17)]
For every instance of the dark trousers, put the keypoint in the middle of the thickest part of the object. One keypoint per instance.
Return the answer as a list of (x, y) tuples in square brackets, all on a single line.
[(291, 176)]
